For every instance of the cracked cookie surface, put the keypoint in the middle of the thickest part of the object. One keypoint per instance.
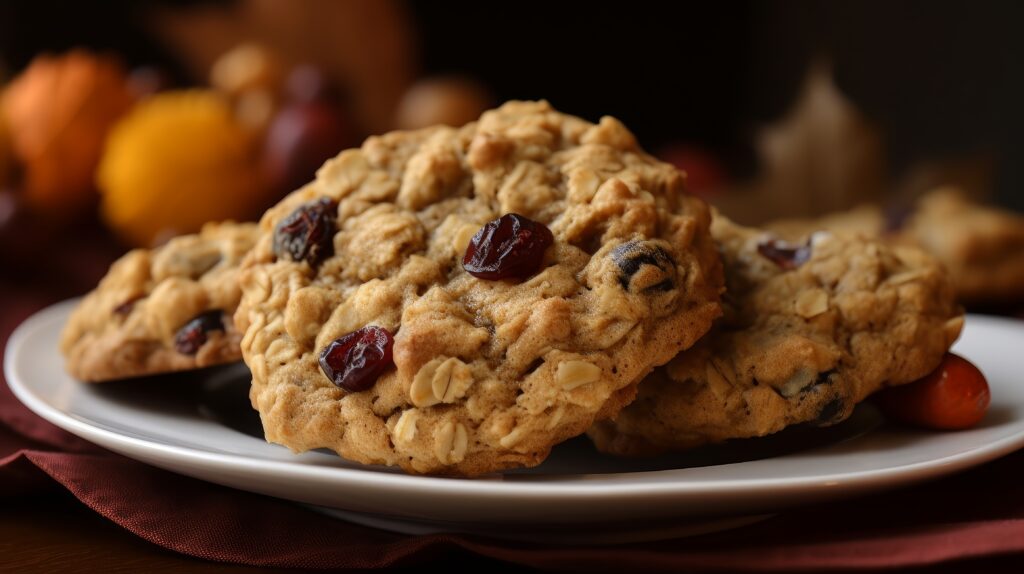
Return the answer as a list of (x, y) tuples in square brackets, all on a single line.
[(162, 310), (809, 331), (487, 373)]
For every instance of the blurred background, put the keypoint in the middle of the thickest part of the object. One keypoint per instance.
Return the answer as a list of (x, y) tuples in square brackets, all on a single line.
[(125, 123)]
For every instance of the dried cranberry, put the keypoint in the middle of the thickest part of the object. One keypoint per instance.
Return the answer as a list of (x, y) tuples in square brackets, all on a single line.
[(307, 234), (354, 361), (510, 246), (192, 336), (785, 255)]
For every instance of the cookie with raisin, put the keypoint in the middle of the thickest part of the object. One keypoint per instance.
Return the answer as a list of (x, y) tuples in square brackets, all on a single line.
[(981, 246), (810, 329), (162, 310), (459, 300)]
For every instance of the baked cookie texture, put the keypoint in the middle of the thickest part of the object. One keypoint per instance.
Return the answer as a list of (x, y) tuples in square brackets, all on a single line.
[(488, 374), (809, 331), (129, 324), (982, 247)]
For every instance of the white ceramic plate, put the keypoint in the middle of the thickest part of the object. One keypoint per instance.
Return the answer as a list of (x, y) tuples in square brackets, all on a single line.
[(201, 425)]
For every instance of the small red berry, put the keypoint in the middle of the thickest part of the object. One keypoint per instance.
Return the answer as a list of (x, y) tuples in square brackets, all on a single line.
[(511, 246), (355, 361), (954, 396)]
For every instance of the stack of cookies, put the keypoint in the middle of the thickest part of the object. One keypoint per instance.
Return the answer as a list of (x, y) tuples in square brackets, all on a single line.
[(458, 301)]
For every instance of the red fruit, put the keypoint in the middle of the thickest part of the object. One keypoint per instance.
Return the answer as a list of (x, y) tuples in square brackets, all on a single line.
[(705, 175), (952, 397), (307, 84), (355, 361), (301, 137), (306, 132), (511, 246)]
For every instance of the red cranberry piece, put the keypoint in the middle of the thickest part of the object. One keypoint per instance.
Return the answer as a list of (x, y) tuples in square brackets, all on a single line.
[(785, 255), (307, 234), (511, 246), (192, 336), (354, 361)]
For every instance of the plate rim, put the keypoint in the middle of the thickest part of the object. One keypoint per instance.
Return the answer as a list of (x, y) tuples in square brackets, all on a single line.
[(494, 485)]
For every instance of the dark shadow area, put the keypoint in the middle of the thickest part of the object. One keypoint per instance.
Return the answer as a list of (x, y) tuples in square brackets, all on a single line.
[(223, 396), (177, 393)]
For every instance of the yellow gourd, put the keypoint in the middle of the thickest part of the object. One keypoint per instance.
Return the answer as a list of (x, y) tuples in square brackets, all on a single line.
[(178, 160)]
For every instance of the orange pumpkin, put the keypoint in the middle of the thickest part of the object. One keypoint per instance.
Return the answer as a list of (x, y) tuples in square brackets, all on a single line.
[(59, 111)]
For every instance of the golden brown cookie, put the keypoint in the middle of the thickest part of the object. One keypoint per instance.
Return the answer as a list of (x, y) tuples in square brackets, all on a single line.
[(982, 247), (161, 310), (809, 331), (366, 334)]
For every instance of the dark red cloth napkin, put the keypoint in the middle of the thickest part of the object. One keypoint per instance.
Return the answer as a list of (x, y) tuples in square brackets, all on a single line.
[(979, 513)]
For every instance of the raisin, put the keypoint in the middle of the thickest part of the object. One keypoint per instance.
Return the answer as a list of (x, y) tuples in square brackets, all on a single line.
[(307, 234), (830, 412), (631, 258), (355, 361), (511, 246), (191, 337)]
